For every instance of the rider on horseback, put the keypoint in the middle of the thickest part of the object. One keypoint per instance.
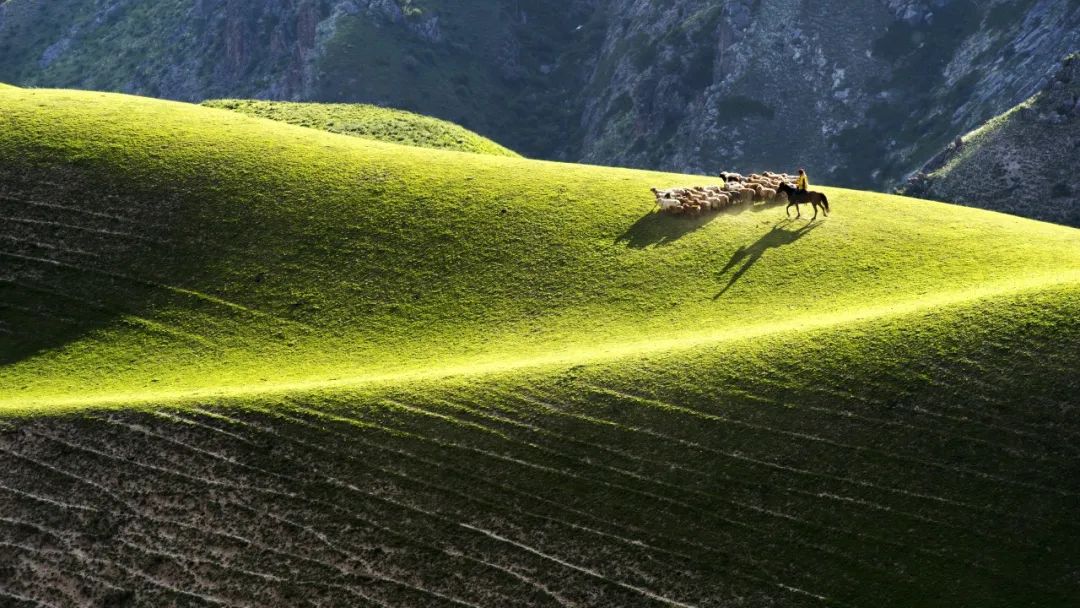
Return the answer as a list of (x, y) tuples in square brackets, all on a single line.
[(802, 183)]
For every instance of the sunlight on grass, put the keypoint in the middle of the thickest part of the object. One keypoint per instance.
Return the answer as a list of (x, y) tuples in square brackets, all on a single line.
[(165, 251)]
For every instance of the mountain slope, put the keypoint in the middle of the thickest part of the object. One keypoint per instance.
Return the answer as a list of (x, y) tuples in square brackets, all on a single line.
[(1021, 162), (861, 93), (248, 363), (326, 253), (370, 122), (909, 461)]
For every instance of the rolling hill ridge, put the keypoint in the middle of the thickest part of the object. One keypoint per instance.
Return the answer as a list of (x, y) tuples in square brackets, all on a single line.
[(251, 363), (370, 122)]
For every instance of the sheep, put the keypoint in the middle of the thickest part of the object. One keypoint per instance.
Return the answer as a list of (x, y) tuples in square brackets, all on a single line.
[(667, 204), (736, 189), (664, 198)]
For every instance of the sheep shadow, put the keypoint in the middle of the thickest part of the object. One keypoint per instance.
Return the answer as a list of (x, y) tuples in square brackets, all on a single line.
[(776, 237), (658, 229)]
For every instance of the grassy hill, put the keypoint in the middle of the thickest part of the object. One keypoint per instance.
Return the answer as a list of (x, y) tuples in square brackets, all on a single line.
[(369, 122), (247, 362)]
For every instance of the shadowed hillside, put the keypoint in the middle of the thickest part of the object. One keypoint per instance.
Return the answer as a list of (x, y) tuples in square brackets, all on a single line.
[(246, 363), (1022, 162)]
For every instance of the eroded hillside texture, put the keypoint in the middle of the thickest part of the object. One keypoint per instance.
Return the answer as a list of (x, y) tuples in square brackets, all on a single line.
[(862, 93), (1022, 162)]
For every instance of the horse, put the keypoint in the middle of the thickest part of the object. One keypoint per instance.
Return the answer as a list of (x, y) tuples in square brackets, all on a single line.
[(799, 197)]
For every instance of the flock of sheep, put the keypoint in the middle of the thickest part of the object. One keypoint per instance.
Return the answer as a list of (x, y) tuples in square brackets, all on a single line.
[(736, 190)]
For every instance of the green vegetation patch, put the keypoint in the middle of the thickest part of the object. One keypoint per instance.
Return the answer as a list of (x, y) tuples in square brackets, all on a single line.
[(370, 122), (465, 367), (163, 250), (829, 467)]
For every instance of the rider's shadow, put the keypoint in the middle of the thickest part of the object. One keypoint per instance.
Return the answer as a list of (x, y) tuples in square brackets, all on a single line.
[(778, 236)]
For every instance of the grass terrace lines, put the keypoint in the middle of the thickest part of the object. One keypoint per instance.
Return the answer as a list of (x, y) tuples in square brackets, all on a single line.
[(248, 363)]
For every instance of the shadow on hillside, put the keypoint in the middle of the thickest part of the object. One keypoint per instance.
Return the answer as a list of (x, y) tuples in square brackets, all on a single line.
[(658, 229), (778, 236), (82, 255)]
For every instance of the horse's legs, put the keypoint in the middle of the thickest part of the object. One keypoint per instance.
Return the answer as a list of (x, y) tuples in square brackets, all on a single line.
[(787, 210), (814, 205)]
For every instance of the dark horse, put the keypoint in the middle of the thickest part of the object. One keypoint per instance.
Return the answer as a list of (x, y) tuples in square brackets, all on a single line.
[(800, 197)]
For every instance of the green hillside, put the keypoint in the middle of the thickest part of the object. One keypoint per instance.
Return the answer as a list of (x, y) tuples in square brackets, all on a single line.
[(247, 362), (369, 122)]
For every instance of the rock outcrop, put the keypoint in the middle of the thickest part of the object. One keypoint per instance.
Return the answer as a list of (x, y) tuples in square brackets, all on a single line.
[(860, 93), (1024, 161)]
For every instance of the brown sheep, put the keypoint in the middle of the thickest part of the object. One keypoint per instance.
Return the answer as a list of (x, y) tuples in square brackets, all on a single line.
[(722, 201), (767, 194), (746, 195)]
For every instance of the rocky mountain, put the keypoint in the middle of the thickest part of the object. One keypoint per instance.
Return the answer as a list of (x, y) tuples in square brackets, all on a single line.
[(859, 92), (1025, 161), (862, 93)]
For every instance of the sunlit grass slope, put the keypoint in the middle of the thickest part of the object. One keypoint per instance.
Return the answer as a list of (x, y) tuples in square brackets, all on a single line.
[(345, 372), (155, 248), (368, 122)]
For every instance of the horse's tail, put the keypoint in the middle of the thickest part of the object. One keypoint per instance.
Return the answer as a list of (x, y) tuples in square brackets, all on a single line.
[(825, 202)]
